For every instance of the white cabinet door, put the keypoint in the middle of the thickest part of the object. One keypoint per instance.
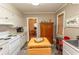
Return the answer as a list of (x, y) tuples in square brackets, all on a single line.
[(8, 17), (14, 45), (5, 16), (22, 40)]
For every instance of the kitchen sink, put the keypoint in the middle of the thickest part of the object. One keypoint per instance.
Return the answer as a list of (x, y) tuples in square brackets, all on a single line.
[(74, 43)]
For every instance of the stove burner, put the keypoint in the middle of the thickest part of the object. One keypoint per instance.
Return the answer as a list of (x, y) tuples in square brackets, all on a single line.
[(7, 38)]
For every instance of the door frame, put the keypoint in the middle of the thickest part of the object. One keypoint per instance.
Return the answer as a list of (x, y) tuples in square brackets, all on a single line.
[(28, 26), (63, 12)]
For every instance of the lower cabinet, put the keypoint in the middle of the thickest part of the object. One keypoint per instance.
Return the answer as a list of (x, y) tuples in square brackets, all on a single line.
[(22, 41), (16, 45), (13, 46), (5, 49)]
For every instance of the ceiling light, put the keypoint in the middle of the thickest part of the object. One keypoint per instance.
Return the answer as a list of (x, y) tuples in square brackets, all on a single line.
[(35, 4)]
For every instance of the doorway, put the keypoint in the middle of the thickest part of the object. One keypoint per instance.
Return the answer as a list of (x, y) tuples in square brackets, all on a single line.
[(31, 29)]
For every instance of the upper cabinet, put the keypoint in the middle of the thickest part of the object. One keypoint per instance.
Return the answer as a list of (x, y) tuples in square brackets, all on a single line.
[(9, 16), (4, 16)]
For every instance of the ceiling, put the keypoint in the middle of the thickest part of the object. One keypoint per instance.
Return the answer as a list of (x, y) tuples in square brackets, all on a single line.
[(26, 8)]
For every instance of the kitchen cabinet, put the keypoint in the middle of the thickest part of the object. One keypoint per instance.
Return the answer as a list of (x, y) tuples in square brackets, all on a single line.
[(13, 45), (22, 40), (16, 44), (5, 16), (69, 49), (8, 17)]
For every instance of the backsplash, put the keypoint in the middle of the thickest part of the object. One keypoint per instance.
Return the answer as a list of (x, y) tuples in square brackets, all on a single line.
[(7, 28)]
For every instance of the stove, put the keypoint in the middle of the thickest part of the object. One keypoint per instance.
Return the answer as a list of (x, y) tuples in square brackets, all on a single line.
[(6, 35)]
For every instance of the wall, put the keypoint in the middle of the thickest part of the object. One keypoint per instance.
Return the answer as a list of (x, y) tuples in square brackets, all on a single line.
[(71, 10), (42, 17)]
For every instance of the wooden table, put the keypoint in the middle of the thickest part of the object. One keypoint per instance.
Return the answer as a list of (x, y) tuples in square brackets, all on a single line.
[(42, 48)]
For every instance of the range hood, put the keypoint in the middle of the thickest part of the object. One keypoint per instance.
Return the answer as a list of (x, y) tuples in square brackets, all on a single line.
[(6, 24)]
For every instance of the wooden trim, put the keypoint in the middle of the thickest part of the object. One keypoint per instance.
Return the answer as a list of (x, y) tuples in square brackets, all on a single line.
[(63, 12), (28, 26)]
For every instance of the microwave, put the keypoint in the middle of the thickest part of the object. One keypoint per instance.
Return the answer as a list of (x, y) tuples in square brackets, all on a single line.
[(20, 29)]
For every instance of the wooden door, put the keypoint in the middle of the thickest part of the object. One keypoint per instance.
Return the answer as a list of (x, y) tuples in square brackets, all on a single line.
[(46, 30), (60, 24), (32, 31)]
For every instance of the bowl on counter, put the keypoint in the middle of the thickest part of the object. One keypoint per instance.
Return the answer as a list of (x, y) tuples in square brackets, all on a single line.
[(38, 40)]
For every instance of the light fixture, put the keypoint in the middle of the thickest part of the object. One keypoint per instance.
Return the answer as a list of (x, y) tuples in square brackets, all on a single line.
[(35, 4)]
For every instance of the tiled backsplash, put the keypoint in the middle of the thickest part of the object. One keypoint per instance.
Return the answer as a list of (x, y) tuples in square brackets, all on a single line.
[(7, 28)]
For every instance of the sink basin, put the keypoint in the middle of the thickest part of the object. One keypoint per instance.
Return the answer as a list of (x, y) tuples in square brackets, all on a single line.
[(74, 43)]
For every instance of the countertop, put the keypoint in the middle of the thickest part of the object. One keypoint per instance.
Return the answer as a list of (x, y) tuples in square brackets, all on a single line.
[(3, 42), (74, 43)]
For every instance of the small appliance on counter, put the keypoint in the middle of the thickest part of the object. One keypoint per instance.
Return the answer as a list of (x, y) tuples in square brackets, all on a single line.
[(20, 29)]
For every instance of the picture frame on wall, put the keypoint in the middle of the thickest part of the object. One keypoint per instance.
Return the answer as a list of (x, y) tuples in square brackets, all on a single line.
[(72, 22)]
